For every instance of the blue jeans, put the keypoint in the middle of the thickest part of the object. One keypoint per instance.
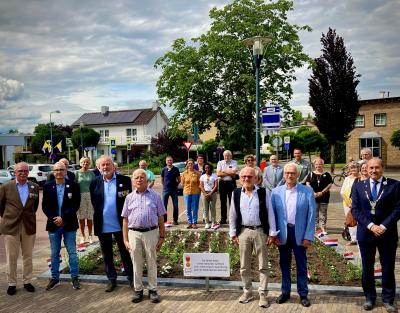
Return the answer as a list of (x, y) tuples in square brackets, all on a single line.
[(174, 196), (70, 245), (192, 207), (285, 261)]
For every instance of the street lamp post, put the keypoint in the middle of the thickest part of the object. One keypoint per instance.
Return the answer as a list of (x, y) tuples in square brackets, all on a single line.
[(51, 135), (258, 49), (81, 125)]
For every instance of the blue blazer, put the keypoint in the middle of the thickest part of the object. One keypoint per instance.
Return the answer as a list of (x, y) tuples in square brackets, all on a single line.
[(305, 213), (71, 203), (387, 210)]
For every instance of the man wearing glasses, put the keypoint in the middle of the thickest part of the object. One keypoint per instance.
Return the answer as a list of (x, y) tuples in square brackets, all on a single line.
[(19, 200), (61, 201)]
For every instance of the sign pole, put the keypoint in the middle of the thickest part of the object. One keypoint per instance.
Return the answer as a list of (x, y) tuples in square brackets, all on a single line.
[(207, 284)]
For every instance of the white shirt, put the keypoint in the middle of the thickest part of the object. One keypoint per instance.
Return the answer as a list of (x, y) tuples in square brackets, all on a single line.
[(291, 201), (223, 165), (208, 181)]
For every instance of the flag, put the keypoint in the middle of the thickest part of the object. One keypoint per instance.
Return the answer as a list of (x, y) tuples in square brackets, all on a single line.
[(45, 146), (59, 146)]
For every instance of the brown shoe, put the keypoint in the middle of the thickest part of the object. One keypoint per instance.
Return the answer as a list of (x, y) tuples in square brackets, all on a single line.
[(189, 226), (194, 226)]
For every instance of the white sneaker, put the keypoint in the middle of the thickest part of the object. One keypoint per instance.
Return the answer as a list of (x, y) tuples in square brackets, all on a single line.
[(246, 297), (207, 226), (90, 239), (263, 302)]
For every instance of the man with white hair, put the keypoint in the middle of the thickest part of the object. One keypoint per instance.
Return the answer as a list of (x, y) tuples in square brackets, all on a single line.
[(144, 232), (150, 175), (294, 209), (226, 171), (366, 155), (19, 200)]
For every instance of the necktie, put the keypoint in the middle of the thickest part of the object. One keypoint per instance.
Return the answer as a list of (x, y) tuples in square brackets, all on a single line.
[(275, 177), (374, 191)]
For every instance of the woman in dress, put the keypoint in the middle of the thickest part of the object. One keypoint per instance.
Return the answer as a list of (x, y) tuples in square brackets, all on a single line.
[(321, 182), (190, 180), (85, 212), (209, 187), (345, 192)]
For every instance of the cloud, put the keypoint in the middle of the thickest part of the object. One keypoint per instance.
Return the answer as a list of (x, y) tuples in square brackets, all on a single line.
[(10, 90)]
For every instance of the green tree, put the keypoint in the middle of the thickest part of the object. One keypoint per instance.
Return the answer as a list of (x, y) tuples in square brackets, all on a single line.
[(42, 133), (208, 148), (212, 78), (90, 138), (309, 140), (395, 139), (333, 94), (169, 142)]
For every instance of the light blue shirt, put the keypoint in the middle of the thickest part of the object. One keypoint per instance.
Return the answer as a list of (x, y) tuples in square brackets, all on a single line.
[(60, 196), (23, 191), (110, 216)]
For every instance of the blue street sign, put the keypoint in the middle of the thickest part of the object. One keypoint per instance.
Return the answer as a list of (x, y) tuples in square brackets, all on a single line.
[(271, 117), (286, 146), (113, 151)]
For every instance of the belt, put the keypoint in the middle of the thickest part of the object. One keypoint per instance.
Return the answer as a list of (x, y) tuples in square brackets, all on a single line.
[(144, 230), (252, 227), (290, 225)]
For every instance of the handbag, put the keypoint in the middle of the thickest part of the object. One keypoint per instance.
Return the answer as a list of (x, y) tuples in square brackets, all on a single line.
[(350, 220), (346, 234)]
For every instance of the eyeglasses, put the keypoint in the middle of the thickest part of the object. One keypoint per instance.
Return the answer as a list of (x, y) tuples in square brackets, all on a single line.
[(22, 171), (247, 176), (250, 160), (59, 170)]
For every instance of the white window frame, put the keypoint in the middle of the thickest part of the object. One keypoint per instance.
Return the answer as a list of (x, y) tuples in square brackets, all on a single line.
[(380, 119), (360, 121)]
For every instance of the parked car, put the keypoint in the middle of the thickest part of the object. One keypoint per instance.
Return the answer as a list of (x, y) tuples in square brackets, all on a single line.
[(74, 168), (37, 172), (5, 176), (181, 167)]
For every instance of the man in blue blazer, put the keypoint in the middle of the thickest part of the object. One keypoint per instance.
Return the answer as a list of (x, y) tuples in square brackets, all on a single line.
[(294, 209), (61, 201), (376, 207), (108, 193)]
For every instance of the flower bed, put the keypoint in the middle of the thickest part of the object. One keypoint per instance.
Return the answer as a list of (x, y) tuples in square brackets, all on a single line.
[(325, 265)]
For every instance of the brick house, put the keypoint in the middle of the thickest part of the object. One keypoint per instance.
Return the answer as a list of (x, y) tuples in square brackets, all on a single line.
[(375, 123)]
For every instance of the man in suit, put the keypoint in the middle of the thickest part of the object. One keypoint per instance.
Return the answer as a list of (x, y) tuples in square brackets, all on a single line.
[(108, 193), (68, 174), (249, 224), (294, 209), (19, 200), (61, 201), (376, 207), (303, 166), (273, 174)]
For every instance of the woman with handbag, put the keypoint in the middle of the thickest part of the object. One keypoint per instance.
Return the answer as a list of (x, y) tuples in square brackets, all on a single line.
[(345, 192)]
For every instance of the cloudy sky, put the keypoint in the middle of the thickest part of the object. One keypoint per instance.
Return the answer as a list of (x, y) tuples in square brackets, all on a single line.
[(75, 56)]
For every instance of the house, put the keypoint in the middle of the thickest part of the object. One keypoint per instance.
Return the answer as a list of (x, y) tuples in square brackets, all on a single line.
[(375, 123), (10, 144), (125, 129)]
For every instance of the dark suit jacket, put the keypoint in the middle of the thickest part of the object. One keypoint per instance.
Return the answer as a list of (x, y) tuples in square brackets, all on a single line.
[(124, 187), (71, 203), (12, 211), (70, 175), (387, 210)]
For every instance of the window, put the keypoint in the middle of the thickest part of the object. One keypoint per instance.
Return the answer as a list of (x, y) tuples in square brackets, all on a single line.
[(380, 119), (104, 135), (372, 143), (360, 121), (131, 134)]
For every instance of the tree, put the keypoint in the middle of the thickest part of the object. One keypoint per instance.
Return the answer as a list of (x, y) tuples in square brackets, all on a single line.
[(90, 138), (208, 148), (333, 94), (212, 79), (169, 142), (42, 133), (309, 140), (395, 139), (293, 119)]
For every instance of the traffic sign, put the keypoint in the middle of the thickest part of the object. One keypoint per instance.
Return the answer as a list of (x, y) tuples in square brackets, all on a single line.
[(286, 139), (187, 145), (277, 141), (128, 146), (286, 146), (89, 148), (68, 141), (113, 143), (271, 117), (113, 151)]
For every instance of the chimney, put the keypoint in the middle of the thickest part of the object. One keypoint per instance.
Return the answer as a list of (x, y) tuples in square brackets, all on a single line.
[(382, 94), (155, 105), (104, 110)]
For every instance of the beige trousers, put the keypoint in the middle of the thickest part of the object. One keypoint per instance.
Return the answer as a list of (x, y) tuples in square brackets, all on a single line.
[(250, 240), (12, 245), (144, 243)]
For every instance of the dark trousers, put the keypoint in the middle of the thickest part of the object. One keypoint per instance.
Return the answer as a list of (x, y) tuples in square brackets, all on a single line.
[(174, 196), (106, 245), (225, 193), (285, 261), (387, 255)]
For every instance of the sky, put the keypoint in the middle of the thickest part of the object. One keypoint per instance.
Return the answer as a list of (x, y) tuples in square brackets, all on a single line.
[(76, 56)]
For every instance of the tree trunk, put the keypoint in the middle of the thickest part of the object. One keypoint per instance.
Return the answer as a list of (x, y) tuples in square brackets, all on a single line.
[(332, 158)]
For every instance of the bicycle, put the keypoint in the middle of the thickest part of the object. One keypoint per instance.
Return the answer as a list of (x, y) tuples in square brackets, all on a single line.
[(339, 178)]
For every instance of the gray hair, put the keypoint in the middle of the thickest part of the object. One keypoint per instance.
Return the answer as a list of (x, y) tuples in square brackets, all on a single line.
[(287, 165), (139, 171)]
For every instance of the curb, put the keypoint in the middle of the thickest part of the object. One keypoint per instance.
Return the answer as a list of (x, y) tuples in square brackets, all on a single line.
[(220, 284)]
